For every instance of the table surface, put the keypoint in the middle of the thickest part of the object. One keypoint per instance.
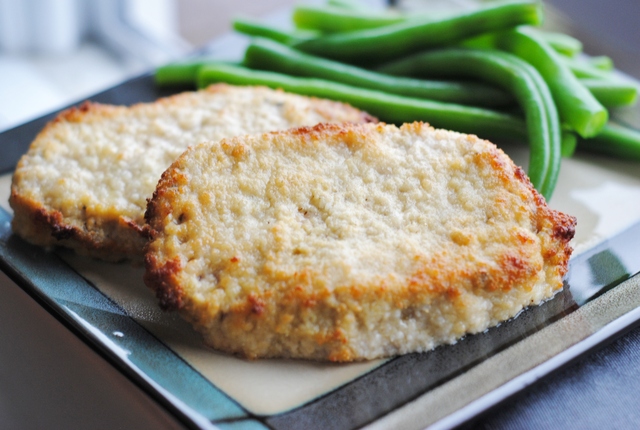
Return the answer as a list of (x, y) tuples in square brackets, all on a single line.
[(51, 379)]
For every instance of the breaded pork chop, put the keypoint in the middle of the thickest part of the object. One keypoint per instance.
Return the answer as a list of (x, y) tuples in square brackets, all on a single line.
[(86, 178), (350, 242)]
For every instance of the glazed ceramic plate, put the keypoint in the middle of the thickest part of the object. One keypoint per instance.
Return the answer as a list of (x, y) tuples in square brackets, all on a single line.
[(109, 306)]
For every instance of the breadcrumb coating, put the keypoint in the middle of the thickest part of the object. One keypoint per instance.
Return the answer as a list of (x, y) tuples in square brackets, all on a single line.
[(350, 242)]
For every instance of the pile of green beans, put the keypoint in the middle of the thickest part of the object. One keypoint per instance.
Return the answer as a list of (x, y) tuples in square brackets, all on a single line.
[(452, 70)]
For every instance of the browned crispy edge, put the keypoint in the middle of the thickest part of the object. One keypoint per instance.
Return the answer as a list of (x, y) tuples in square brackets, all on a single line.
[(46, 228), (123, 239), (162, 276)]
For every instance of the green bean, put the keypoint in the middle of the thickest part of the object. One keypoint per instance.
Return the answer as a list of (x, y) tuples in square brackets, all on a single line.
[(585, 69), (601, 62), (387, 107), (562, 43), (268, 55), (516, 76), (329, 19), (568, 143), (254, 28), (553, 119), (616, 140), (184, 73), (577, 106), (397, 40), (612, 92)]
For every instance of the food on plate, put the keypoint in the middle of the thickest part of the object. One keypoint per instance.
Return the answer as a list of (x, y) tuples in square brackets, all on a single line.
[(577, 89), (350, 242), (86, 178)]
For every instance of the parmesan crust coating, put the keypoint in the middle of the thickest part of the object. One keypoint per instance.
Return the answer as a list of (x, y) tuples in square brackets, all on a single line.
[(86, 178), (350, 242)]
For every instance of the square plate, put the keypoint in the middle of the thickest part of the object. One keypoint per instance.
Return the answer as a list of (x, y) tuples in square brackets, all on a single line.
[(115, 312)]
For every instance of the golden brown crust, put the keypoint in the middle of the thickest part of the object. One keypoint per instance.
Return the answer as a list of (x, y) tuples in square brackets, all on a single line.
[(47, 228), (459, 280), (161, 276), (95, 147)]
